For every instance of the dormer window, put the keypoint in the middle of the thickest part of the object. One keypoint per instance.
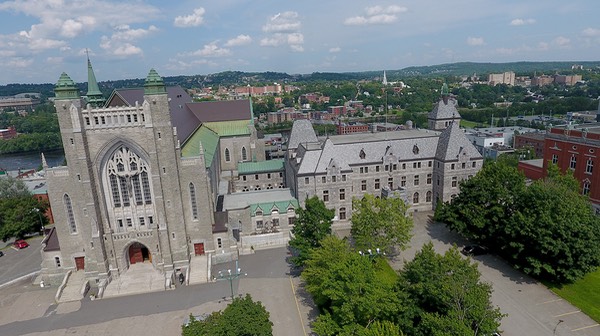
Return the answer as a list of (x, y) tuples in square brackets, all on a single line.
[(362, 154), (415, 149)]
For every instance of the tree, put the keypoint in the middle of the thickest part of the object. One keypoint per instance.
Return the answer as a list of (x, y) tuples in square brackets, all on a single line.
[(380, 223), (449, 294), (313, 224), (20, 212), (242, 317), (351, 290)]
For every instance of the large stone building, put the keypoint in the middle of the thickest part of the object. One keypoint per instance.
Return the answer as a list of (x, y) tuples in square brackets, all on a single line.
[(144, 174), (423, 166)]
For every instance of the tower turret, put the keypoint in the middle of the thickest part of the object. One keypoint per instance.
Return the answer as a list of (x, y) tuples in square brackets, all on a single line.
[(94, 95)]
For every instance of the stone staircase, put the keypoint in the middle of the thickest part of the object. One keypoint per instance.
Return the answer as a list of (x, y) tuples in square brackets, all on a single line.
[(199, 270), (139, 278), (72, 291)]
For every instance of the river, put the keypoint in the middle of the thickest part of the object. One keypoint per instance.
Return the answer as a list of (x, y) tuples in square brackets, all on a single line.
[(30, 160)]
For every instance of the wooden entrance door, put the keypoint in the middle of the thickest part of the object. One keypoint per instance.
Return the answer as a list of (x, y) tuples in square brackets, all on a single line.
[(79, 263), (199, 248), (135, 253)]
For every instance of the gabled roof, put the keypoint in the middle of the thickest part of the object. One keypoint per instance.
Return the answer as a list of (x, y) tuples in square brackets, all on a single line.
[(268, 207), (209, 140), (302, 132), (183, 119), (50, 242), (260, 167), (226, 110), (453, 143), (445, 108)]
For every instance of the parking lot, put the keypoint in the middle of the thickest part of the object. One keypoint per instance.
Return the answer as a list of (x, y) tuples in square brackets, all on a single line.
[(532, 309)]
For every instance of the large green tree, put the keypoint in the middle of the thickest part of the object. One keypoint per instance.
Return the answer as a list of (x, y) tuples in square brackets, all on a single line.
[(312, 225), (449, 295), (351, 290), (20, 212), (547, 229), (243, 317), (380, 223)]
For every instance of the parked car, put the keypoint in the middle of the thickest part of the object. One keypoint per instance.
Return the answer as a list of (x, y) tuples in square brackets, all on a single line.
[(474, 250), (1, 253), (20, 244)]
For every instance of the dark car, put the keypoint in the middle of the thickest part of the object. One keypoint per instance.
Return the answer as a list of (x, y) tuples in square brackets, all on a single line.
[(474, 250), (1, 253), (21, 244)]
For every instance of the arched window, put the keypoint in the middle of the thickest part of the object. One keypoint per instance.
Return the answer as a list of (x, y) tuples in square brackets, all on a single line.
[(227, 155), (128, 179), (428, 196), (70, 215), (342, 213), (416, 198), (244, 154), (193, 201)]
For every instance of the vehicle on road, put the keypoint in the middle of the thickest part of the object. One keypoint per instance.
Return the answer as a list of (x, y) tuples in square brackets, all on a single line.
[(474, 250), (20, 244), (1, 253)]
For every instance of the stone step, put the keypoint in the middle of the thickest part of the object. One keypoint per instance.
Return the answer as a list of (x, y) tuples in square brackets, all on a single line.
[(198, 270), (72, 291)]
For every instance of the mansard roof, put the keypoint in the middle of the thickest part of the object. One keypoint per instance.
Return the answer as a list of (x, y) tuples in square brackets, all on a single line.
[(445, 108), (302, 132), (453, 143), (347, 153), (225, 110)]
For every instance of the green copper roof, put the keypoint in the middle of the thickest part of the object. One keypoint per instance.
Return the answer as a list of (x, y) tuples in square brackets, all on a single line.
[(94, 95), (267, 208), (154, 84), (229, 128), (209, 140), (260, 167), (65, 88), (445, 91)]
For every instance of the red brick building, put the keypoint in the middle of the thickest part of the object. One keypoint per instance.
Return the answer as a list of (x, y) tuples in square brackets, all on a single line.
[(533, 140), (343, 128), (573, 147), (8, 133)]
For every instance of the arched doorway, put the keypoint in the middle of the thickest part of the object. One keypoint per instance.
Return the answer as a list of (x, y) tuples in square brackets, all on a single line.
[(138, 253)]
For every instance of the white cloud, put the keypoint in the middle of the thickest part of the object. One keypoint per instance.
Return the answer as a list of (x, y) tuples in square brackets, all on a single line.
[(285, 22), (284, 30), (193, 20), (376, 15), (475, 41), (54, 60), (19, 62), (120, 43), (335, 50), (211, 50), (522, 22), (591, 32), (561, 42), (238, 41)]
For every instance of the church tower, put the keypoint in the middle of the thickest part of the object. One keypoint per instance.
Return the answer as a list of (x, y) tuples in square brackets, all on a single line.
[(444, 112), (94, 95)]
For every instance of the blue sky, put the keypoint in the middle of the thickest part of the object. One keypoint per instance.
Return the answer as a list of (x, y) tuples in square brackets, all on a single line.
[(39, 39)]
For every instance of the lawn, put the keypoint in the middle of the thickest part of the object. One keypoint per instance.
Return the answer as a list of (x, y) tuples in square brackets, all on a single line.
[(468, 124), (584, 294)]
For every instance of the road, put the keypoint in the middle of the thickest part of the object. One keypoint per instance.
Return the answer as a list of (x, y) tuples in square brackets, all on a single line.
[(158, 313), (17, 263)]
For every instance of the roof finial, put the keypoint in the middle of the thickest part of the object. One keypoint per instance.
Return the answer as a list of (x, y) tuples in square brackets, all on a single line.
[(445, 93), (44, 163)]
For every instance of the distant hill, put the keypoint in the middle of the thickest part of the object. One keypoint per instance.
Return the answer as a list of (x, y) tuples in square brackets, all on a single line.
[(228, 78)]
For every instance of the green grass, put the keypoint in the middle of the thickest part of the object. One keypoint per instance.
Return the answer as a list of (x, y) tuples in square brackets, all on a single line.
[(468, 124), (385, 272), (584, 294)]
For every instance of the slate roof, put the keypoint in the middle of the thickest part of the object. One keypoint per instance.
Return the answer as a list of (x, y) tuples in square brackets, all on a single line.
[(182, 118), (302, 132), (51, 241), (444, 109), (226, 110), (209, 140), (260, 167), (243, 200), (453, 143)]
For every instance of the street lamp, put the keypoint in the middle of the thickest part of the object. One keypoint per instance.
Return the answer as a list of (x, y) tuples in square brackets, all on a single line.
[(369, 253), (40, 217), (230, 276)]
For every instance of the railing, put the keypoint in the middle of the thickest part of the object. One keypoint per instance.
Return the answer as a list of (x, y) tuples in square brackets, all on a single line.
[(132, 234)]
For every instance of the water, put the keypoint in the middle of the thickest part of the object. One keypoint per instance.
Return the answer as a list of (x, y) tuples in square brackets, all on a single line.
[(30, 160)]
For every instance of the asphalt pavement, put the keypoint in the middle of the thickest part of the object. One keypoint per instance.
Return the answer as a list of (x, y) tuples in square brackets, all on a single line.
[(17, 263)]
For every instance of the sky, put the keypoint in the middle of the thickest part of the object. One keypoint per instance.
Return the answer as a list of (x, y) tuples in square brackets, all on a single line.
[(40, 39)]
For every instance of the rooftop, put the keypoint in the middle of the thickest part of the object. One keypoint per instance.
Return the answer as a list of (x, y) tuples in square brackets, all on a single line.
[(261, 166), (245, 199), (381, 136)]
